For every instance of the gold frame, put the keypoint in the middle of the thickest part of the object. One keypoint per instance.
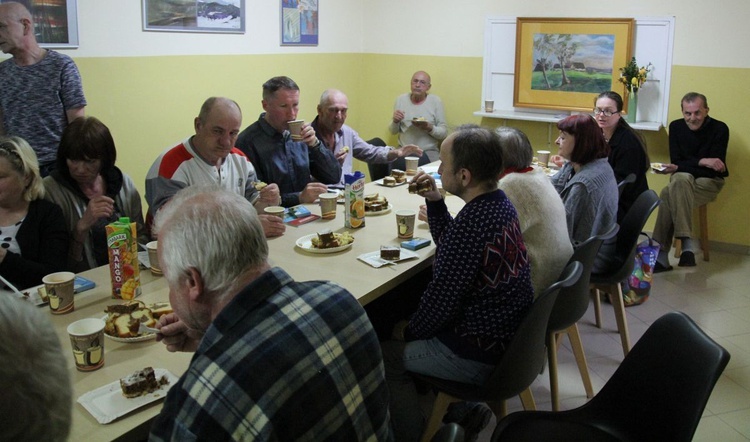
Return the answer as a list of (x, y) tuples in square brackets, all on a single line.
[(525, 96)]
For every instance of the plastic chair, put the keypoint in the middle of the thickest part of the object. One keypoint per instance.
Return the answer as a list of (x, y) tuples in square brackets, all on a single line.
[(630, 179), (378, 171), (658, 393), (572, 303), (622, 263), (520, 365), (449, 433)]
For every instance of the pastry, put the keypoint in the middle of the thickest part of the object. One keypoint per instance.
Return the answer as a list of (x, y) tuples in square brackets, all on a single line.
[(141, 382), (420, 187), (328, 240), (124, 320), (390, 253), (389, 181), (260, 185)]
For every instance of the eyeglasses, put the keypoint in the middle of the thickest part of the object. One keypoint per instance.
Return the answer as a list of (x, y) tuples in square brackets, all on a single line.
[(606, 113)]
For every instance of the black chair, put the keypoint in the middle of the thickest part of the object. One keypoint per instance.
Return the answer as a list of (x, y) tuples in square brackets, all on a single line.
[(658, 393), (622, 263), (378, 171), (449, 433), (630, 179), (520, 365), (572, 303)]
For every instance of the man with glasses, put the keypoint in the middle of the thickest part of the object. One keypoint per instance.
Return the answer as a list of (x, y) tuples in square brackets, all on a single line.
[(419, 118), (697, 150)]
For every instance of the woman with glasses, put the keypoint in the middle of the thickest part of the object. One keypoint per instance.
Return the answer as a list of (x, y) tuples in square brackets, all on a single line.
[(91, 191), (628, 152), (33, 236), (586, 182)]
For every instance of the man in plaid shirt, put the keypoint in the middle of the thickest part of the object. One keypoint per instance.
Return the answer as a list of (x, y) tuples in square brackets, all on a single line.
[(275, 359)]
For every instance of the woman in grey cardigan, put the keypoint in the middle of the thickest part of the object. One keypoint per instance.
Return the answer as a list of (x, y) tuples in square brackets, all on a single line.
[(91, 191), (586, 183)]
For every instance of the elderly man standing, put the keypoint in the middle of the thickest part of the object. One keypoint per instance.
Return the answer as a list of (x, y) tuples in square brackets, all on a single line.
[(344, 141), (419, 118), (210, 158), (293, 165), (41, 89), (480, 288), (275, 359), (698, 151)]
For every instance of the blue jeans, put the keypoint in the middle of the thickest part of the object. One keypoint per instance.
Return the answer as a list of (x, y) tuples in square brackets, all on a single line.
[(429, 357)]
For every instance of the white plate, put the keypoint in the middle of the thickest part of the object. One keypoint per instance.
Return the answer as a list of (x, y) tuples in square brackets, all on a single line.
[(659, 167), (141, 338), (379, 212), (107, 403), (305, 243), (374, 259), (380, 183)]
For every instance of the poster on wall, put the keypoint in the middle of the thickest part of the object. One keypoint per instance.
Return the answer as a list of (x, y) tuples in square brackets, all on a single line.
[(194, 16), (563, 63), (299, 22), (55, 22)]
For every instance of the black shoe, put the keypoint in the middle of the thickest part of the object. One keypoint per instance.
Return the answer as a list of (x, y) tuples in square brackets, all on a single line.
[(687, 259), (475, 420), (658, 268)]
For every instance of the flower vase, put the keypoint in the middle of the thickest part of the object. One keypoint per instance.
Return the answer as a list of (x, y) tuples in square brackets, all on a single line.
[(630, 117)]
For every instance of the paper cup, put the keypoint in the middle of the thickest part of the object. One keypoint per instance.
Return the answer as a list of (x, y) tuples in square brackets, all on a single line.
[(295, 129), (405, 223), (412, 163), (87, 340), (59, 287), (275, 211), (153, 258), (543, 156), (489, 105), (328, 205)]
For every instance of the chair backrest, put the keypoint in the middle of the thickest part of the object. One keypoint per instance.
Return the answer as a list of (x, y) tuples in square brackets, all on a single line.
[(627, 239), (660, 390), (628, 180), (451, 432), (572, 302), (524, 357), (378, 171)]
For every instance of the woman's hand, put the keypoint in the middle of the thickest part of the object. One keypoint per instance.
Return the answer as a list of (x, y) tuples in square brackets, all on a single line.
[(99, 207)]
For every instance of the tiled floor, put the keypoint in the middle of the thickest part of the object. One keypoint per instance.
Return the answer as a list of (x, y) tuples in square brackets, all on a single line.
[(716, 295)]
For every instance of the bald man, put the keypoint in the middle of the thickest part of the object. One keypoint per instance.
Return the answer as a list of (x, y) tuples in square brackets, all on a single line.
[(41, 89), (335, 135)]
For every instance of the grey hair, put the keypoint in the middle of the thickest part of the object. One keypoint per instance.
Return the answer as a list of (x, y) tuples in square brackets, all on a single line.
[(211, 230), (34, 379), (517, 152), (692, 96), (212, 102)]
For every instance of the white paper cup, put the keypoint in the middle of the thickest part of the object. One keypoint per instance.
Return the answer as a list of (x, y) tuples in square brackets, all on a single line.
[(489, 105), (87, 340), (328, 205), (543, 157), (275, 211), (412, 163), (59, 287), (295, 129), (153, 257), (405, 223)]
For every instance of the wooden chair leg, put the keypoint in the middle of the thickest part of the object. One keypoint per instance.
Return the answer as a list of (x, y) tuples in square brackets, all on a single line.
[(527, 399), (598, 307), (615, 297), (703, 219), (677, 248), (577, 346), (436, 418), (552, 357)]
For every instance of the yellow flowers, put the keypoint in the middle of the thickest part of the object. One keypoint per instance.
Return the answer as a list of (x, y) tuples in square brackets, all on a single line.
[(632, 76)]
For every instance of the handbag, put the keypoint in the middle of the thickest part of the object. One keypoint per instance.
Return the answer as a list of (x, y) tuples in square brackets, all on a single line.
[(640, 279)]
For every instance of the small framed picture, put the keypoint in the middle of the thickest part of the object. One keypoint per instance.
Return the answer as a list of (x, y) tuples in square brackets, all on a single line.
[(299, 22)]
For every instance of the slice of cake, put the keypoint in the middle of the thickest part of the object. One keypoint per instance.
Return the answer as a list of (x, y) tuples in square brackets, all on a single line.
[(389, 181), (391, 253), (141, 382), (399, 175)]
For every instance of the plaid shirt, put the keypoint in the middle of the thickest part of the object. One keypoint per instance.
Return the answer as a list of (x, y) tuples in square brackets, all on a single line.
[(285, 361)]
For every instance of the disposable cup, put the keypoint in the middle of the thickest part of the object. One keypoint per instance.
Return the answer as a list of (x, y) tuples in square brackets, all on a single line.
[(489, 105), (153, 257), (328, 205), (405, 223), (87, 340), (275, 211), (295, 129), (412, 163), (59, 287), (543, 156)]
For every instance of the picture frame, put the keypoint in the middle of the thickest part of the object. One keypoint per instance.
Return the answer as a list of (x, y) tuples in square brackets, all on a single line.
[(299, 22), (227, 16), (55, 23), (592, 50)]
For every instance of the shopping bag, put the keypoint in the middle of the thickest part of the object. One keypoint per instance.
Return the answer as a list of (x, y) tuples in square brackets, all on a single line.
[(639, 281)]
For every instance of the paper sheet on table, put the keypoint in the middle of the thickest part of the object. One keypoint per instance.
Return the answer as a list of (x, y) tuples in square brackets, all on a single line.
[(373, 258)]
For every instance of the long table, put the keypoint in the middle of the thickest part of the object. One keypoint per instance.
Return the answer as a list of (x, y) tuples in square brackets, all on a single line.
[(363, 281)]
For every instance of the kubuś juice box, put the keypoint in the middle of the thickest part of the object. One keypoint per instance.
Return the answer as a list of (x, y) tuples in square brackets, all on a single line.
[(122, 247)]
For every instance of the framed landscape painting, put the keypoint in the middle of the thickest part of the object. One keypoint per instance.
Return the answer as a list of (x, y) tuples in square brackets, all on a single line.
[(55, 22), (564, 63), (299, 22), (194, 16)]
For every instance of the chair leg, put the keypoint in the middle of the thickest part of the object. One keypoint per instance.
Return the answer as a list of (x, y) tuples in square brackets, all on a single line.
[(615, 297), (677, 247), (439, 409), (703, 219), (552, 357), (577, 346), (598, 308), (527, 399)]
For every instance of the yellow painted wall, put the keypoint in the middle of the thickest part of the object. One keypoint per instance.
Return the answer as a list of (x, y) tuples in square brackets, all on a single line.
[(149, 104)]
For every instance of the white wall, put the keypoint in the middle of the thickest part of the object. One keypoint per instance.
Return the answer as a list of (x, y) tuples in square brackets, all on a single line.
[(708, 33)]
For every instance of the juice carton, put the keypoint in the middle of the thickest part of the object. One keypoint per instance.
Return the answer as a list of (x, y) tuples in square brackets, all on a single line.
[(122, 247), (354, 200)]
